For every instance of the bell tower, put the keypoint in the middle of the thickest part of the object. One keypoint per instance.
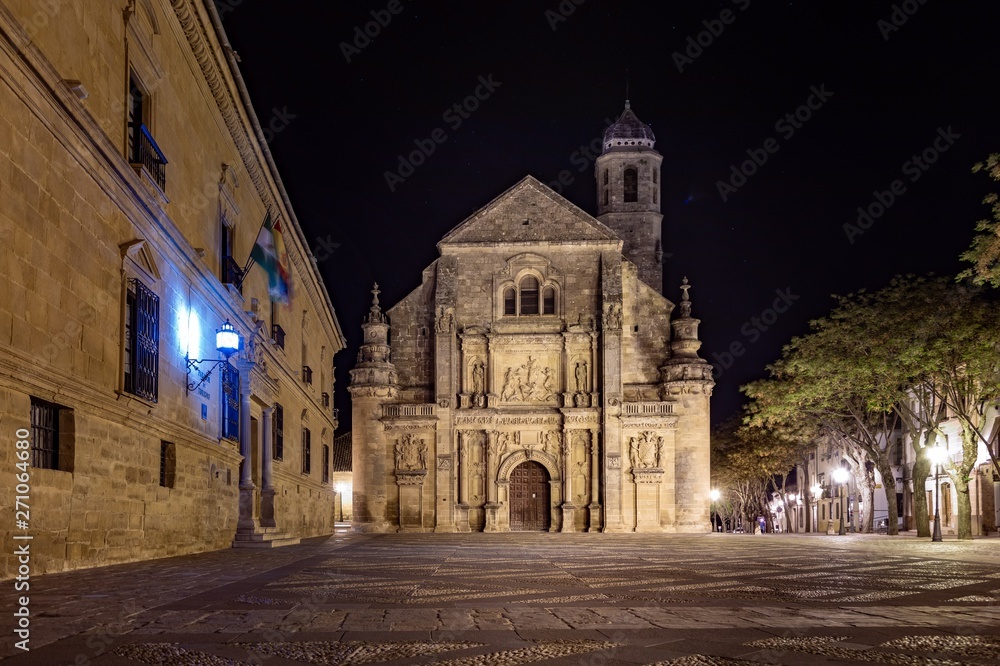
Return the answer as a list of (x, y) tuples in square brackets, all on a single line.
[(628, 193)]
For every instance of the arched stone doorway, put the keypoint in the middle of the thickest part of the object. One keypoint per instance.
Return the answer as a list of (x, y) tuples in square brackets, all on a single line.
[(530, 498)]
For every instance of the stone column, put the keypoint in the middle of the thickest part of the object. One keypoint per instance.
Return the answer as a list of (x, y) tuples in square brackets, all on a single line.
[(246, 517), (267, 488), (491, 507), (595, 483), (568, 508), (462, 508)]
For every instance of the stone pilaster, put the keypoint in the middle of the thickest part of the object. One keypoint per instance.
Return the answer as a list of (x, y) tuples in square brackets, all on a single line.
[(266, 464), (247, 519), (595, 483)]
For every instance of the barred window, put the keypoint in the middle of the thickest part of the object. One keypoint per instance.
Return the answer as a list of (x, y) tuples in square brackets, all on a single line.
[(278, 450), (326, 464), (230, 402), (142, 341), (44, 434), (168, 464), (549, 301), (306, 451), (509, 301), (529, 296)]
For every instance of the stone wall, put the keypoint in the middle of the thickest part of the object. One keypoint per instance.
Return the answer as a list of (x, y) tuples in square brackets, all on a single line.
[(78, 223)]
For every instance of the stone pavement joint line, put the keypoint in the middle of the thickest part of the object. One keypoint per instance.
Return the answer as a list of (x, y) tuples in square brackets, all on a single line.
[(531, 597)]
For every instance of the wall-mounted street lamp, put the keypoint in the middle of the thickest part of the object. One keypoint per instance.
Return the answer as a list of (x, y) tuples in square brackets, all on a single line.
[(227, 343), (937, 455), (840, 476)]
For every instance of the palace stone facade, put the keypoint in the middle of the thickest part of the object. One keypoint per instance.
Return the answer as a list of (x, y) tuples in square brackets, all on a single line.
[(537, 379)]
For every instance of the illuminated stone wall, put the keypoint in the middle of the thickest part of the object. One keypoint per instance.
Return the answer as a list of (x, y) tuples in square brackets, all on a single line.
[(79, 223)]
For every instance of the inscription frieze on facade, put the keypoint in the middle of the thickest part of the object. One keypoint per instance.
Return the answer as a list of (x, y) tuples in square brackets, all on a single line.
[(546, 419), (649, 422), (476, 420)]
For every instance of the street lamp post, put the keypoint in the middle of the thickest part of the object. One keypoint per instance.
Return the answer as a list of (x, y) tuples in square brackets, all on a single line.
[(714, 495), (937, 456), (840, 476), (817, 495)]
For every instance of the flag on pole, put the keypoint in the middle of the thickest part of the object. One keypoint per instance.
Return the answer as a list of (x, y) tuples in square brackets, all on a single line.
[(269, 253)]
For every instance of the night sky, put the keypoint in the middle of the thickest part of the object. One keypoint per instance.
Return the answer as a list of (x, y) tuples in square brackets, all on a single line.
[(888, 92)]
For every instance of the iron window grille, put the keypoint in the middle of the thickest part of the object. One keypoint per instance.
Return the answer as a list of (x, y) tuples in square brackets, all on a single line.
[(307, 374), (145, 152), (278, 335), (44, 434), (230, 402), (278, 451), (326, 399), (326, 464), (168, 464), (142, 341), (232, 273), (306, 451)]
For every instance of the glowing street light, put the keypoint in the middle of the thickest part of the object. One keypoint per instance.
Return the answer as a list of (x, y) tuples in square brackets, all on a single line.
[(840, 476), (714, 496), (937, 455)]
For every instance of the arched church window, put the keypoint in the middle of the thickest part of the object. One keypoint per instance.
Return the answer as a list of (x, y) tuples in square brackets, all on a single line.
[(548, 301), (529, 295), (509, 301), (655, 175), (605, 176), (631, 185)]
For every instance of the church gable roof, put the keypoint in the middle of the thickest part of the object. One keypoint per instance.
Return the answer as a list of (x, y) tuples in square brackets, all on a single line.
[(530, 211)]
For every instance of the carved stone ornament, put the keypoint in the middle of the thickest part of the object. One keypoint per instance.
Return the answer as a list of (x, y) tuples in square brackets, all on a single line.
[(614, 461), (445, 320), (411, 453), (411, 477), (645, 450), (444, 462), (528, 383), (613, 317)]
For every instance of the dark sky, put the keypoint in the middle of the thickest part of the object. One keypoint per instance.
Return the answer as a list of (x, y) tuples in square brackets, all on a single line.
[(893, 90)]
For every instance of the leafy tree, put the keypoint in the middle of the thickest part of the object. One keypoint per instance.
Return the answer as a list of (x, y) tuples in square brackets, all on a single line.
[(984, 254), (904, 356)]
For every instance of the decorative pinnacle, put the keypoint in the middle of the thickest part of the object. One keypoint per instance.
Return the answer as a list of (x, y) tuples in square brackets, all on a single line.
[(685, 299), (376, 312)]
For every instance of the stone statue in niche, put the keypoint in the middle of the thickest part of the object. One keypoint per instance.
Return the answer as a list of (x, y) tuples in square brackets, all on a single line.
[(411, 453), (479, 384), (613, 317), (553, 442), (582, 377), (645, 450), (445, 320)]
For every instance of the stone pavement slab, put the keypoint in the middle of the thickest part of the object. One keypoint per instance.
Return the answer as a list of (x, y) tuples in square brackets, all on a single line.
[(531, 598)]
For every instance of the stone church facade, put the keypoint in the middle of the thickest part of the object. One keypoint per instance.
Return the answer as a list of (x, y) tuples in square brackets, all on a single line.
[(537, 379)]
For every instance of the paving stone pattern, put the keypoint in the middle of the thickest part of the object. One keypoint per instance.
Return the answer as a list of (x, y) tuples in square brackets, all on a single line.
[(531, 598)]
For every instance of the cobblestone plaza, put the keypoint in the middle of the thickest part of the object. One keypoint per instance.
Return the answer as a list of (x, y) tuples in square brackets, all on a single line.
[(531, 598)]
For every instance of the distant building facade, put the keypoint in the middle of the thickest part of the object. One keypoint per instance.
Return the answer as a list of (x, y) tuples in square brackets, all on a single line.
[(537, 379), (134, 180)]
